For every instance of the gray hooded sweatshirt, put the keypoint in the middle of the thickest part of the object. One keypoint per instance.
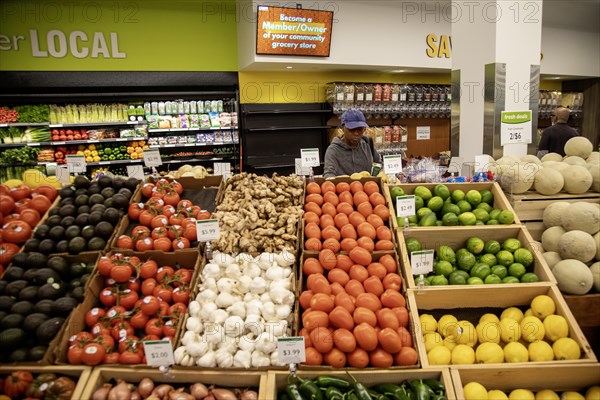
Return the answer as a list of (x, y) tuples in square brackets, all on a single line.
[(341, 159)]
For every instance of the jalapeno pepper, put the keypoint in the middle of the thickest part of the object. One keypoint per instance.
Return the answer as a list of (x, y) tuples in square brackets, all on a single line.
[(326, 381), (422, 391), (309, 390), (377, 396), (293, 392), (435, 385), (283, 396), (333, 393), (389, 389), (360, 390), (351, 396)]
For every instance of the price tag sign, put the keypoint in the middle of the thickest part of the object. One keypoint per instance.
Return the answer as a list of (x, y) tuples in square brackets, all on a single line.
[(309, 157), (222, 169), (290, 350), (135, 171), (392, 164), (159, 353), (299, 169), (515, 127), (423, 132), (482, 163), (62, 174), (208, 230), (76, 164), (421, 262), (152, 158), (405, 206)]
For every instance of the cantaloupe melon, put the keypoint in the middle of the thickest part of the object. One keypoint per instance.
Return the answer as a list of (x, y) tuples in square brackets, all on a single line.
[(552, 215), (577, 179), (579, 146), (573, 277), (507, 160), (551, 236), (530, 158), (577, 245), (595, 172), (548, 181), (519, 178), (552, 157), (594, 158), (595, 270), (558, 165), (581, 216), (574, 160), (552, 258)]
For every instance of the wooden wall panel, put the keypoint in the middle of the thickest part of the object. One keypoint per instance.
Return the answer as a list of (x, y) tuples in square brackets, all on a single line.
[(439, 138)]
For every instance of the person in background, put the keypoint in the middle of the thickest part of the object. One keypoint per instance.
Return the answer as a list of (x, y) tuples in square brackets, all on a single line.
[(352, 152), (554, 137)]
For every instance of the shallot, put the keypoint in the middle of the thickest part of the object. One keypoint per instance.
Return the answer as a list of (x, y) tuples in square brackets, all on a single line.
[(102, 392), (145, 387), (248, 394), (179, 394), (162, 390), (199, 391), (223, 394), (135, 395), (120, 392)]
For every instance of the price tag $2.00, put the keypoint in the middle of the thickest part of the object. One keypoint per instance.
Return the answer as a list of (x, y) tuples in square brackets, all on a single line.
[(159, 353)]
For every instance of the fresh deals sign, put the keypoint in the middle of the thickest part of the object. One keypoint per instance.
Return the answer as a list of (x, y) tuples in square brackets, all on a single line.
[(515, 127)]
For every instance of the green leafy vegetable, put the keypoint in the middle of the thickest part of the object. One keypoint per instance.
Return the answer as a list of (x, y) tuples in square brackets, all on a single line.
[(32, 113)]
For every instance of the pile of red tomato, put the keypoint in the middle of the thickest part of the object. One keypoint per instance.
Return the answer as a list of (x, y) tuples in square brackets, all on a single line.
[(21, 209), (167, 222), (140, 301)]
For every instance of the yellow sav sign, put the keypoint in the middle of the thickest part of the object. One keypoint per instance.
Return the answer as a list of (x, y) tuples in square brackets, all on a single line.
[(438, 47)]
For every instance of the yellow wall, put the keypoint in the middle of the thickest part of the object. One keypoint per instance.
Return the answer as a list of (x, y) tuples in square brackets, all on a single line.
[(553, 84), (309, 87)]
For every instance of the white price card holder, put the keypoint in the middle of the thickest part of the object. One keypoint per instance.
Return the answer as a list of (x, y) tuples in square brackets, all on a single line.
[(392, 164), (405, 207), (152, 158), (76, 164), (135, 171), (290, 350), (301, 171), (222, 169), (208, 230), (309, 157), (159, 353), (482, 163), (455, 166), (62, 174), (421, 263)]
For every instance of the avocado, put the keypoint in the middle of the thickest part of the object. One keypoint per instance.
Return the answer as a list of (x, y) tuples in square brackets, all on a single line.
[(77, 245), (57, 233), (28, 293), (32, 321), (82, 200), (77, 269), (105, 181), (6, 302), (126, 192), (69, 201), (18, 355), (73, 284), (36, 353), (84, 278), (120, 201), (83, 210), (96, 244), (46, 275), (13, 273), (54, 211), (104, 229), (66, 191), (83, 219), (111, 215), (67, 210), (32, 244), (62, 246), (48, 329), (107, 192), (95, 217), (58, 264), (93, 189), (41, 232), (72, 231), (44, 306), (4, 284), (48, 246), (22, 307), (19, 260), (87, 232), (78, 293), (109, 202), (79, 192), (67, 221), (54, 220), (12, 338), (12, 321), (64, 305), (96, 198), (50, 291), (81, 182), (132, 184), (37, 260), (98, 207), (118, 183), (14, 287), (3, 314), (30, 274)]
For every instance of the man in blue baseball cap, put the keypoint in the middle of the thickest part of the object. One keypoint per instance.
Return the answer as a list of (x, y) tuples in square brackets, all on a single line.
[(352, 152)]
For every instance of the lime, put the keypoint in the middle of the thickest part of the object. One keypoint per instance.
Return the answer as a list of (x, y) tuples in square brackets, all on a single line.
[(419, 203), (439, 223), (485, 206), (445, 253), (461, 253), (450, 208), (412, 244), (473, 197), (493, 222), (500, 271), (429, 219), (488, 259), (412, 219), (487, 196), (457, 195), (523, 256), (505, 258), (467, 218), (475, 245), (443, 268), (529, 277), (511, 244), (494, 214), (466, 262), (423, 193), (506, 217), (492, 279), (464, 206), (421, 212), (457, 279), (474, 280), (442, 191), (435, 203), (517, 270), (481, 215), (427, 280), (396, 191), (492, 247), (450, 219), (413, 225), (478, 222), (510, 279), (480, 270), (439, 280)]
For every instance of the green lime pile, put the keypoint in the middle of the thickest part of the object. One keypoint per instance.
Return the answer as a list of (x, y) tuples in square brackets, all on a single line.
[(445, 208), (479, 263)]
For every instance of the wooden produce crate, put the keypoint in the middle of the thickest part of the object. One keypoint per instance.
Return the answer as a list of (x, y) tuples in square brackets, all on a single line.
[(189, 259), (472, 304), (432, 238), (510, 377), (500, 200), (79, 374), (278, 380), (535, 229), (177, 378), (530, 206)]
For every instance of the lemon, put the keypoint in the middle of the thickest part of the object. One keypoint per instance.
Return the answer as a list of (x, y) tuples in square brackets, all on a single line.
[(542, 306), (515, 352), (428, 323), (521, 394), (488, 331), (510, 330), (540, 351), (464, 332), (475, 391), (445, 323), (566, 349), (489, 353), (593, 393), (528, 312), (439, 355), (463, 354), (556, 327), (432, 339), (489, 317), (547, 394), (450, 342), (497, 395), (532, 329), (512, 313), (571, 395)]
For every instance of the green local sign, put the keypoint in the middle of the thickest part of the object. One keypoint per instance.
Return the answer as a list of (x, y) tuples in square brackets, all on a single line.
[(149, 35)]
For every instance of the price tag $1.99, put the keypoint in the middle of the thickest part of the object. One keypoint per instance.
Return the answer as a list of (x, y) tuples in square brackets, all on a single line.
[(290, 350), (159, 353), (421, 262), (208, 230), (309, 157), (405, 206)]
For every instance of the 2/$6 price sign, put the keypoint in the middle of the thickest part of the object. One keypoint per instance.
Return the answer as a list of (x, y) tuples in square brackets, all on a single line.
[(515, 127)]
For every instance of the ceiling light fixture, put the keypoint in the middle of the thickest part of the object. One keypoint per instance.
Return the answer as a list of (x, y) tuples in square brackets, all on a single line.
[(289, 67)]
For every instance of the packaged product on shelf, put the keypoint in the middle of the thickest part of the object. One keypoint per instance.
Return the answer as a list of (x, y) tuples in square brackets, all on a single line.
[(207, 104), (218, 137), (236, 136), (162, 140), (194, 121), (227, 137), (152, 141), (349, 94), (200, 138), (359, 92), (209, 137), (184, 121), (220, 106), (193, 108), (127, 133), (387, 92), (152, 122), (172, 139), (395, 92), (199, 106), (190, 139), (368, 92), (225, 119), (377, 92), (178, 107), (141, 131), (164, 122), (379, 136), (204, 121), (186, 107), (234, 119), (161, 108), (147, 108), (214, 119)]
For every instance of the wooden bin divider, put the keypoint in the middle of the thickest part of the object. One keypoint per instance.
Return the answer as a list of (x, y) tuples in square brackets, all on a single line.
[(80, 374), (530, 206)]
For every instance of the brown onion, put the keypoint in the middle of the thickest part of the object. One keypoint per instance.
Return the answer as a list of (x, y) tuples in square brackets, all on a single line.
[(162, 390), (153, 397), (102, 392), (248, 395), (120, 392), (180, 395), (223, 394), (135, 395), (145, 387), (199, 391), (210, 397)]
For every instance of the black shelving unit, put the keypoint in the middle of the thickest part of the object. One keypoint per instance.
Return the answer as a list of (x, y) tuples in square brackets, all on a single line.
[(273, 134)]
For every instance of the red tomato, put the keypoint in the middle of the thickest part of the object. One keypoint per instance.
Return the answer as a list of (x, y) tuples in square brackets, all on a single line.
[(46, 190), (140, 232), (168, 210), (159, 232), (178, 187), (20, 192), (203, 214), (159, 221), (146, 217), (155, 202), (81, 337), (122, 330), (144, 244), (171, 198), (130, 357), (115, 313), (108, 298), (16, 232), (164, 272), (181, 295), (189, 232), (7, 251), (40, 203), (162, 244), (148, 269), (182, 275), (170, 329), (22, 205), (175, 231), (154, 327), (163, 293), (74, 354), (93, 315), (104, 265), (106, 340), (150, 305), (134, 284), (99, 329), (93, 354), (125, 242), (176, 219), (177, 310), (195, 211), (111, 358), (181, 243), (183, 204), (120, 273), (139, 320), (148, 286), (147, 189), (7, 204), (135, 210), (128, 298), (31, 216)]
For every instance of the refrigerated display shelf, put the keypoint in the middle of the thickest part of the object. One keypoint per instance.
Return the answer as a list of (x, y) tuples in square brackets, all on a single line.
[(97, 124), (69, 142)]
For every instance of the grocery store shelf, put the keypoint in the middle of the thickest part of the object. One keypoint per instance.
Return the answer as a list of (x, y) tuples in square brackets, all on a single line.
[(217, 128), (191, 160), (24, 124), (122, 123), (69, 142), (285, 112), (172, 145), (289, 128), (114, 162)]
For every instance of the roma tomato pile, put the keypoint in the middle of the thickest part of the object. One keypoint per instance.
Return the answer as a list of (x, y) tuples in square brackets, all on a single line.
[(24, 385), (166, 222), (140, 301), (345, 215)]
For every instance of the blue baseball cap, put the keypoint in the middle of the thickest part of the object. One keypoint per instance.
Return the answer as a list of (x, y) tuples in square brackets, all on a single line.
[(353, 119)]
